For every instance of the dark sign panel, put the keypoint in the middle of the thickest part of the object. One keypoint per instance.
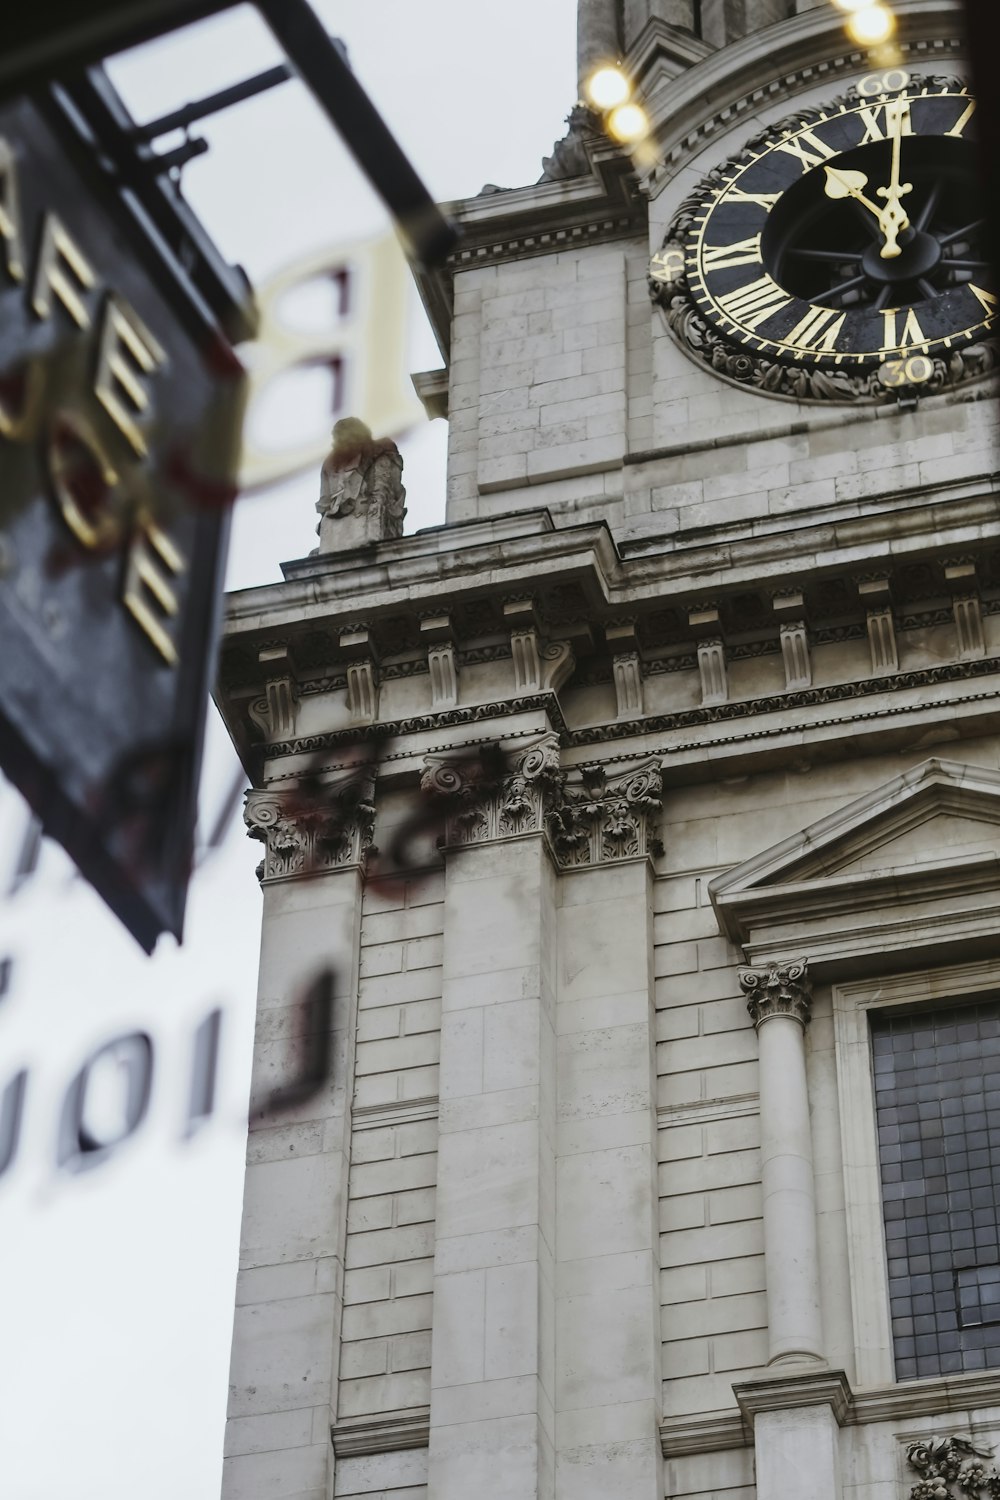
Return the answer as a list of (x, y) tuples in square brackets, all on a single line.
[(118, 421)]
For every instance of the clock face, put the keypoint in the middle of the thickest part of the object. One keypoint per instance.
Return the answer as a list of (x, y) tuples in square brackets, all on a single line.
[(850, 239)]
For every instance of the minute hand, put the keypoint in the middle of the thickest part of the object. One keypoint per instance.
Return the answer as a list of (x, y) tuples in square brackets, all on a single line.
[(893, 219)]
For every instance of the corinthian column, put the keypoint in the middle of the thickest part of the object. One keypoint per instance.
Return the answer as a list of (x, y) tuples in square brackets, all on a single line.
[(779, 1000)]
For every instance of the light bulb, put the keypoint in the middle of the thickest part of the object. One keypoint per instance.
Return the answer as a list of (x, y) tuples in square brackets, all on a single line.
[(871, 25), (608, 87)]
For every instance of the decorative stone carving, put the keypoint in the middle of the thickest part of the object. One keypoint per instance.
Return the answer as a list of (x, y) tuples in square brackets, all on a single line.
[(969, 625), (950, 1467), (588, 818), (539, 668), (444, 675), (882, 640), (361, 494), (712, 666), (274, 714), (527, 665), (570, 156), (778, 990), (496, 797), (314, 826), (598, 819), (795, 655), (362, 692), (362, 674), (628, 684)]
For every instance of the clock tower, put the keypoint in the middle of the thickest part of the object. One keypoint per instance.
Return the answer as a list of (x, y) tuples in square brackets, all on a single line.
[(641, 821)]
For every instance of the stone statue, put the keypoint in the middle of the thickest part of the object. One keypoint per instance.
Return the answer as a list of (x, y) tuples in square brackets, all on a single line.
[(571, 156), (361, 496)]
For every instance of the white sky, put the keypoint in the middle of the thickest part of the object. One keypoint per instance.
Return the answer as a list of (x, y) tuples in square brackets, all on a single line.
[(116, 1287)]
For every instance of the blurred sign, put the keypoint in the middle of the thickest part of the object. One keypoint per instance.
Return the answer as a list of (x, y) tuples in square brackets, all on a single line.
[(118, 430), (364, 348)]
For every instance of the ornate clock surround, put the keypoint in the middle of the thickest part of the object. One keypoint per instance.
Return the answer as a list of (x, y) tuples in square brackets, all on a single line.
[(759, 356)]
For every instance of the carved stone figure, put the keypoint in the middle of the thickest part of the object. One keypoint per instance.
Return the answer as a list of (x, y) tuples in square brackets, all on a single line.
[(570, 156), (361, 495)]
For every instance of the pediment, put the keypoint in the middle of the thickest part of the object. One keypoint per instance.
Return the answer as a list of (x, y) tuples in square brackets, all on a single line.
[(918, 855)]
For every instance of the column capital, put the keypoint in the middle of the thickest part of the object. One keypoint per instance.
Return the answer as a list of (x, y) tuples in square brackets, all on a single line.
[(779, 989), (312, 826)]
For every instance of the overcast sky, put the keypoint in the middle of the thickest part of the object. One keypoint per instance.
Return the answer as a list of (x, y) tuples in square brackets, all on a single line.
[(117, 1285)]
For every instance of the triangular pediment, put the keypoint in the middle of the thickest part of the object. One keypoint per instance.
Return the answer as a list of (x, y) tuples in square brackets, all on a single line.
[(929, 834)]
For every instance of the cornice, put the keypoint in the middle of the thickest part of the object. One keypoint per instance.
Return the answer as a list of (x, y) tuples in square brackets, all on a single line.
[(707, 1432), (425, 570), (930, 1397), (378, 1116), (778, 702), (899, 806), (638, 730), (717, 1431), (362, 1436)]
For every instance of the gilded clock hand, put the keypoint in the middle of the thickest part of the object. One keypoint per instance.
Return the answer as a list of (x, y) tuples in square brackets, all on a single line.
[(843, 183), (894, 218)]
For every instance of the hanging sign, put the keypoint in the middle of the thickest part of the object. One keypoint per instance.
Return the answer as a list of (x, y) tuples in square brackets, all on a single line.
[(119, 426)]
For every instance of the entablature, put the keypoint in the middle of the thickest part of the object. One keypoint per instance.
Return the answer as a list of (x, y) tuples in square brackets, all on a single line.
[(765, 636)]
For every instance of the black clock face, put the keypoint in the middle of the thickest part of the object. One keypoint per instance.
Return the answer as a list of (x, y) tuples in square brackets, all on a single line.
[(851, 240)]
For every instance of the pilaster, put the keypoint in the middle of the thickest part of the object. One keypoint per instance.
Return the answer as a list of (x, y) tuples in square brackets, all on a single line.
[(608, 1345), (492, 1428), (283, 1383)]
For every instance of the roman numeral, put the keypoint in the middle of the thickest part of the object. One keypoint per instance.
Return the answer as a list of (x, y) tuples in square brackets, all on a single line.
[(765, 201), (808, 149), (958, 129), (873, 119), (818, 331), (912, 331), (986, 300), (724, 257), (754, 303)]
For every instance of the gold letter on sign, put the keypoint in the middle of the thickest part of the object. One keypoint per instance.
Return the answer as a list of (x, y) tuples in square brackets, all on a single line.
[(83, 479), (126, 352), (10, 213), (58, 255), (142, 573), (367, 346)]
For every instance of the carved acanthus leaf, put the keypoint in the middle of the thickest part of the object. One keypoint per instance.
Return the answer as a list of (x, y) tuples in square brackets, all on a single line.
[(495, 796), (597, 819), (313, 826), (780, 989)]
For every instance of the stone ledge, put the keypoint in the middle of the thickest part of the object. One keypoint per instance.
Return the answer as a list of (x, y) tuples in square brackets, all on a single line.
[(927, 1398), (708, 1432), (388, 1433), (408, 1112), (904, 1402), (707, 1111)]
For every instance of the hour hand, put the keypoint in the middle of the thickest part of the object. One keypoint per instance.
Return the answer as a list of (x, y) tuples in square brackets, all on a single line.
[(841, 182)]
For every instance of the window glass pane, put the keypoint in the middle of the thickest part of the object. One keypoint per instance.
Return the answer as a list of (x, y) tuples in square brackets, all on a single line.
[(937, 1074)]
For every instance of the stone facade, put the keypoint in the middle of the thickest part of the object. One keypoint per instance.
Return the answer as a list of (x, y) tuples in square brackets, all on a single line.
[(612, 810)]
